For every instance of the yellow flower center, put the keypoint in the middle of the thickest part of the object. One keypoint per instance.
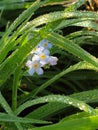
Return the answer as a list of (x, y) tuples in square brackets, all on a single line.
[(42, 56), (45, 44), (35, 65)]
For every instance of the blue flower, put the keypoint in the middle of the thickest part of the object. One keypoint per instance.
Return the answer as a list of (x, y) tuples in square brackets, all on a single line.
[(45, 43), (39, 57), (53, 60), (34, 66)]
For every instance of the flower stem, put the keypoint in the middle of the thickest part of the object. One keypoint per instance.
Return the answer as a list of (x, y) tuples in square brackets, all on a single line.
[(15, 87)]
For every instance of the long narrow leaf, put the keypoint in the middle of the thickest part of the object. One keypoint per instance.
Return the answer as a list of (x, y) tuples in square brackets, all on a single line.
[(73, 48), (57, 98), (87, 123), (49, 109)]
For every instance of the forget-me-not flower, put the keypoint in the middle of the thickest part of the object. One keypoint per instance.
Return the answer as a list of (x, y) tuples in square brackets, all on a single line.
[(34, 66), (40, 56), (45, 43)]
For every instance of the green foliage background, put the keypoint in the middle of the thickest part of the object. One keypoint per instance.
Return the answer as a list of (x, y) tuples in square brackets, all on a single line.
[(66, 96)]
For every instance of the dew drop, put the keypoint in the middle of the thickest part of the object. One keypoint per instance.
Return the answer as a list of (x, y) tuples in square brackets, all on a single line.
[(70, 103), (89, 110), (82, 107), (78, 104), (67, 99)]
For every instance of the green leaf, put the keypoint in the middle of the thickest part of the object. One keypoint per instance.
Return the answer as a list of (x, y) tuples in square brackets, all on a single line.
[(68, 45), (16, 59), (78, 66), (87, 123), (10, 5), (59, 15), (50, 109), (7, 108), (77, 116), (57, 98), (9, 118), (21, 18), (7, 43)]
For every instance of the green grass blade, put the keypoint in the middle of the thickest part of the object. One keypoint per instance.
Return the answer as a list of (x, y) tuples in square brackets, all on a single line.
[(9, 118), (57, 98), (87, 123), (72, 48), (20, 19), (16, 59), (5, 105), (78, 66), (49, 109), (15, 87), (11, 6), (7, 108), (59, 15)]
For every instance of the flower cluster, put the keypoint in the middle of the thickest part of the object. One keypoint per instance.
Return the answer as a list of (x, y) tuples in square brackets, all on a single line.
[(41, 57)]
